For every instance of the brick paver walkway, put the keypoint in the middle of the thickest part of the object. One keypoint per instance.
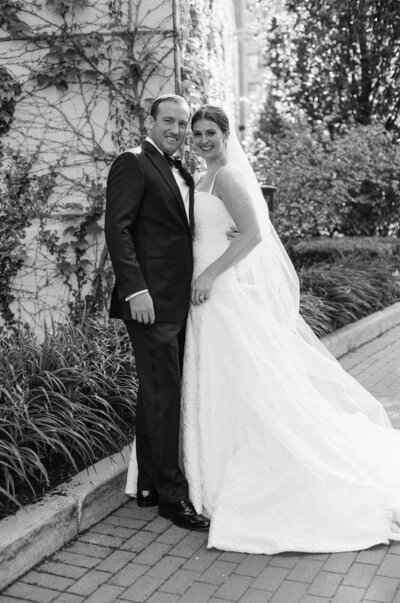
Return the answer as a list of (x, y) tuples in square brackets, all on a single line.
[(376, 365), (134, 555)]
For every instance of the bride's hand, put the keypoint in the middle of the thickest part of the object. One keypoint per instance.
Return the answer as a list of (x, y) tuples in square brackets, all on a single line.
[(232, 233), (201, 288)]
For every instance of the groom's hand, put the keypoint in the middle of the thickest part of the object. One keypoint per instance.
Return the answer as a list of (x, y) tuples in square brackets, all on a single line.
[(142, 308)]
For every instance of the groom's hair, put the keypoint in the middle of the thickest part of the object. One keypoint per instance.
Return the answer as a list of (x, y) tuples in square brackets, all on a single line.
[(162, 99)]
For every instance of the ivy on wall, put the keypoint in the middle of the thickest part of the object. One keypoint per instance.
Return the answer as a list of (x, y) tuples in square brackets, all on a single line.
[(10, 89)]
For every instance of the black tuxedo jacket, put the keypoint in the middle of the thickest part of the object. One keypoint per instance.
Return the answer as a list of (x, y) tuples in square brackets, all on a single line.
[(148, 234)]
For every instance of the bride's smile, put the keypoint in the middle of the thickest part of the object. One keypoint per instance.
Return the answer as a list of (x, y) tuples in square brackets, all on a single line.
[(209, 140)]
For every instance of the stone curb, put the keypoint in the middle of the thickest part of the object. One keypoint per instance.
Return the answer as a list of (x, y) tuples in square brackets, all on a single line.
[(353, 336), (38, 530)]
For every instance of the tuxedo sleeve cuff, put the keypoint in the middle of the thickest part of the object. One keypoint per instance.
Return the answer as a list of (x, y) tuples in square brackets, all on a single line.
[(135, 294)]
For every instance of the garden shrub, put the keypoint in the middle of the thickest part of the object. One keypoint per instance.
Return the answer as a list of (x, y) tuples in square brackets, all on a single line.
[(348, 184), (319, 250), (66, 402), (344, 279)]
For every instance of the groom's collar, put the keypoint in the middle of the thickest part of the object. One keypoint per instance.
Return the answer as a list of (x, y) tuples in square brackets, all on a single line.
[(148, 139)]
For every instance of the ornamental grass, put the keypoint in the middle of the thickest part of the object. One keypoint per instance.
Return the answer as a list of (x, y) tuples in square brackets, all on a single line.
[(346, 292), (66, 402)]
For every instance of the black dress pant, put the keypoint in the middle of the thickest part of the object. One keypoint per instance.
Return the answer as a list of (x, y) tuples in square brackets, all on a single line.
[(158, 351)]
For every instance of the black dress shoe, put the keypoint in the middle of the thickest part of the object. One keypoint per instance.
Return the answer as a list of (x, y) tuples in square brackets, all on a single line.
[(147, 498), (183, 514)]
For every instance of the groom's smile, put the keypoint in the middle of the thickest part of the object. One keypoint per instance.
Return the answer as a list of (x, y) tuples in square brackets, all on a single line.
[(168, 128)]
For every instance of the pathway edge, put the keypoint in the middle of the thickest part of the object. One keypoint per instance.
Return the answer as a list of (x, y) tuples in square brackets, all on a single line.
[(40, 529), (366, 329)]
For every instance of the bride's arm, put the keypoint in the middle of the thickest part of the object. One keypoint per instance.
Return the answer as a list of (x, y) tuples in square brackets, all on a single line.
[(230, 188)]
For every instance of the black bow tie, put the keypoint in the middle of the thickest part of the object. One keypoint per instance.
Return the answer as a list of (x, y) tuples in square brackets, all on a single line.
[(177, 163), (174, 161)]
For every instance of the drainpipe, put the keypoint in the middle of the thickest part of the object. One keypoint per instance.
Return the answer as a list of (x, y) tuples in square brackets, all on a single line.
[(176, 26)]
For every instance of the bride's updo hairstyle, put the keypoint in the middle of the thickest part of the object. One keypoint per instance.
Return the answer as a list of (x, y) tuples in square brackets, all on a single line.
[(213, 113)]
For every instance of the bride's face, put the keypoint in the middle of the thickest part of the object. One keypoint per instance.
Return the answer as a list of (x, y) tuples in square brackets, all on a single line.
[(209, 141)]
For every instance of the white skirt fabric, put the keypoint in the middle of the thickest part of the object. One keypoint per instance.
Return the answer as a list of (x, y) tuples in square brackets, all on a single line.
[(278, 458)]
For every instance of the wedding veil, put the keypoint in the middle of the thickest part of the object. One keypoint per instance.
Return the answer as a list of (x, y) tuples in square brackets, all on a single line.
[(268, 270), (271, 282)]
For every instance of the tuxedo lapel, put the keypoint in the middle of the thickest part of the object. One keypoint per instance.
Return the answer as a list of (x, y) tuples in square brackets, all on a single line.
[(191, 210), (161, 164)]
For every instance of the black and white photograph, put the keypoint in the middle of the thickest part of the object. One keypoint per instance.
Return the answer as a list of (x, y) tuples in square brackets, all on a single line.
[(199, 301)]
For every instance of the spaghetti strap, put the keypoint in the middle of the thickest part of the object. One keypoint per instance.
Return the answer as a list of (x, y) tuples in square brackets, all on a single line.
[(210, 190), (215, 176)]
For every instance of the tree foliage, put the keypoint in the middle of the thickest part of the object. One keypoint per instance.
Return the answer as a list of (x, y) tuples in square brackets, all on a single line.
[(338, 61), (328, 133)]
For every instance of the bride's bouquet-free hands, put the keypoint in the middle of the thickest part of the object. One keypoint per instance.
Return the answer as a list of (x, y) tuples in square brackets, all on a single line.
[(201, 287)]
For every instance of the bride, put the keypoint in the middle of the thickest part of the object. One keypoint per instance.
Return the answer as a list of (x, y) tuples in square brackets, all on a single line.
[(282, 449)]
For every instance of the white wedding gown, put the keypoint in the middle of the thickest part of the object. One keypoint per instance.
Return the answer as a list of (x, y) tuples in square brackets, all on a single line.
[(281, 447)]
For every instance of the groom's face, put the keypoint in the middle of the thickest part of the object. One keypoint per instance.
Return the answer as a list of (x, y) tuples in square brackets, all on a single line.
[(168, 129)]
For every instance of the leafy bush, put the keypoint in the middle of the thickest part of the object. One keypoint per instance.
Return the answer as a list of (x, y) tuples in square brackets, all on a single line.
[(348, 185), (66, 402), (293, 161), (366, 159)]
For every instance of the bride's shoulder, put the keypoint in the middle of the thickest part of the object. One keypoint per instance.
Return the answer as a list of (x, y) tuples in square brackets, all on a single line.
[(229, 174), (228, 171)]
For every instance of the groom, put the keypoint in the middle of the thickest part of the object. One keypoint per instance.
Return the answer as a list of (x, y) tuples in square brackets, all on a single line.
[(148, 227)]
